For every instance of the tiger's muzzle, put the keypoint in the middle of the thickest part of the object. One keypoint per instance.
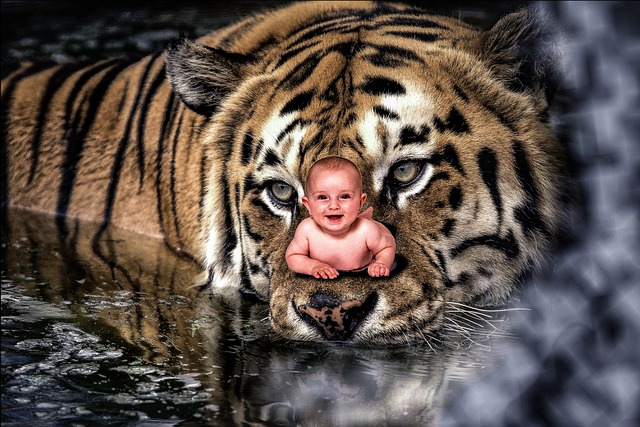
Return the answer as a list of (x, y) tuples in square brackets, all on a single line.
[(335, 319)]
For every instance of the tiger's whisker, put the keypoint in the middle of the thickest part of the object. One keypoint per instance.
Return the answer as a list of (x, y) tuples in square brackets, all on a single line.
[(485, 310)]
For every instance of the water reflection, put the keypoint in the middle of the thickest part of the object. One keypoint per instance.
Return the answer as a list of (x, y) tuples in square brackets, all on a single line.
[(109, 330)]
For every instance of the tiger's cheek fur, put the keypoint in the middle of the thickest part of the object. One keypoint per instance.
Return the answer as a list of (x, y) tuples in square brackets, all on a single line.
[(265, 239)]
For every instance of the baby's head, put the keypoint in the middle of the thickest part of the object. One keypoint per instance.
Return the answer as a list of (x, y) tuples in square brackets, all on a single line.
[(334, 164), (334, 195)]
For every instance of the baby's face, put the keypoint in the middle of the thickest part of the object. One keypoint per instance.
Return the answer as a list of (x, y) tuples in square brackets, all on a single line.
[(334, 199)]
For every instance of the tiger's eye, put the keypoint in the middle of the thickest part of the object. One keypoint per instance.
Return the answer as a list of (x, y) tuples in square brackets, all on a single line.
[(282, 192), (406, 172)]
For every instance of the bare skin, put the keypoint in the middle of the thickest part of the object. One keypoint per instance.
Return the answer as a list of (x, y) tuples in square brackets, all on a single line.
[(336, 238)]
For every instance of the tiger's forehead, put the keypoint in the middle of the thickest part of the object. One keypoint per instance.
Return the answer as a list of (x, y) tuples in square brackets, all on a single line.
[(345, 87), (384, 37), (385, 121)]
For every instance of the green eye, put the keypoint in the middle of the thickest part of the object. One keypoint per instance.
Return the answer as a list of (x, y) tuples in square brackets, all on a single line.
[(282, 192), (405, 172)]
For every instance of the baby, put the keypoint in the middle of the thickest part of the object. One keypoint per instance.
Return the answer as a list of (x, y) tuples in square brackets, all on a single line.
[(336, 238)]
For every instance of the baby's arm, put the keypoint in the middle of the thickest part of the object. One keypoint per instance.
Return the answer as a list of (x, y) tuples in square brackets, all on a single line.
[(298, 259), (381, 242)]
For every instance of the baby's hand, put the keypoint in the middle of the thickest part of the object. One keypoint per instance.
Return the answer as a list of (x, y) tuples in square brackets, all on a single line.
[(324, 271), (378, 269)]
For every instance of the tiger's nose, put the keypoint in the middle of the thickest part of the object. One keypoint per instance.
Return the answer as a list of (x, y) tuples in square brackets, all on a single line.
[(336, 320)]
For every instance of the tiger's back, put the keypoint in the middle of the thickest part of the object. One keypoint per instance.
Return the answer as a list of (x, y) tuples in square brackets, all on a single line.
[(100, 145), (448, 125)]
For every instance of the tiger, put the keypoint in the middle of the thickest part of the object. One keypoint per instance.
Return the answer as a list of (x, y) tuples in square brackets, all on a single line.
[(206, 146)]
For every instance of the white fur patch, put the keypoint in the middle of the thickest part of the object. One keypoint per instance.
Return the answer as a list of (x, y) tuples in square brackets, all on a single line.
[(415, 110), (214, 243), (272, 129)]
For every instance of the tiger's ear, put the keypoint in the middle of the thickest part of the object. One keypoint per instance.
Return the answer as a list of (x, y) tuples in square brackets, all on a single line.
[(522, 49), (203, 76)]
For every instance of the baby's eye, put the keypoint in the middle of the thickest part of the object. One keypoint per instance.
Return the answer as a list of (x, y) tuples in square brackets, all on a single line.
[(345, 196), (322, 197)]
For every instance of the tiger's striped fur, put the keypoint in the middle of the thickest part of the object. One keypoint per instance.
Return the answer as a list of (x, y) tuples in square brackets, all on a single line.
[(449, 126)]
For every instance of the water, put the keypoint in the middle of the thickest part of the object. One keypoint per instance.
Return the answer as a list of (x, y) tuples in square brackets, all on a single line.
[(108, 330)]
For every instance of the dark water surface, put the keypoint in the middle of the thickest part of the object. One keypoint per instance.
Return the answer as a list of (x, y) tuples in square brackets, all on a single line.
[(108, 330)]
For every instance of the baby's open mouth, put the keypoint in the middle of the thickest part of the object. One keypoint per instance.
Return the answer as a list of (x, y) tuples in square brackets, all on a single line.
[(334, 217)]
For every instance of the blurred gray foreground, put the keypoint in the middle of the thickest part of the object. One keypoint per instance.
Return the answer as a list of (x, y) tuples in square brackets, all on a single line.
[(578, 362)]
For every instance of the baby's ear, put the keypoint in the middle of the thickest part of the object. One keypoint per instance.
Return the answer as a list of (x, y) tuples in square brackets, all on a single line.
[(363, 197), (305, 202)]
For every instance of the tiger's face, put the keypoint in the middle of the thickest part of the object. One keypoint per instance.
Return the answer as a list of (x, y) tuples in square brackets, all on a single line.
[(457, 161)]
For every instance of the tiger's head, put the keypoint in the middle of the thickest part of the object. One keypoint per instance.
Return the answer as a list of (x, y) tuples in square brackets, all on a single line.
[(448, 124)]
